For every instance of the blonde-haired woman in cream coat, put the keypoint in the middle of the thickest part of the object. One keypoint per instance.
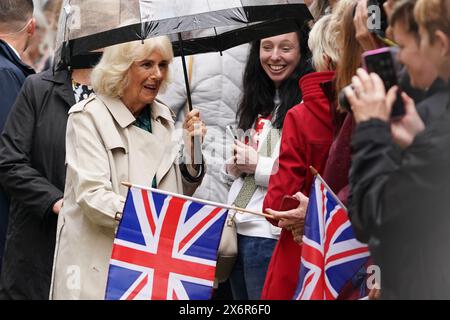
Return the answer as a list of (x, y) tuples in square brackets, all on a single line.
[(121, 134)]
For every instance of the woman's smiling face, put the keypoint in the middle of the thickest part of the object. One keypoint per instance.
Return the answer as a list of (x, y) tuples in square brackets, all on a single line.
[(279, 56), (145, 78)]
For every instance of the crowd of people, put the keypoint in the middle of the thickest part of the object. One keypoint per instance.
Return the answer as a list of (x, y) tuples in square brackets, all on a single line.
[(70, 136)]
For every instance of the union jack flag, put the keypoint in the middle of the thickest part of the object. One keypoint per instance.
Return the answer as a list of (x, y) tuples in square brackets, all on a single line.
[(331, 255), (165, 248)]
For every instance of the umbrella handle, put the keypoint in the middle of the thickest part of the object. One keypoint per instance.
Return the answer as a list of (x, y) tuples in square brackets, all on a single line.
[(196, 140), (185, 72)]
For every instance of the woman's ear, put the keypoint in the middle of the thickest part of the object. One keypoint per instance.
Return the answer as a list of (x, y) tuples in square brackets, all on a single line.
[(443, 42), (329, 63)]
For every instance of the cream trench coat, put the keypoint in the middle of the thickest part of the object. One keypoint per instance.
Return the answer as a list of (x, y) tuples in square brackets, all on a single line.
[(104, 148)]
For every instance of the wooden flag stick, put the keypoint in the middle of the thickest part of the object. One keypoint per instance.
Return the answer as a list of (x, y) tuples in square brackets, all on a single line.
[(211, 203), (313, 171), (316, 174)]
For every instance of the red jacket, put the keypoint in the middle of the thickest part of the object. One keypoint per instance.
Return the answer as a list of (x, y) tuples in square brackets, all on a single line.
[(307, 136)]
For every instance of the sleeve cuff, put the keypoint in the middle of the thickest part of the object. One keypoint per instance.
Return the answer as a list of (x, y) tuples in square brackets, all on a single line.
[(374, 130), (56, 197)]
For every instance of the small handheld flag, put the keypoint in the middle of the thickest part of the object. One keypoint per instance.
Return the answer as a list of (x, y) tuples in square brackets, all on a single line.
[(165, 248), (331, 255)]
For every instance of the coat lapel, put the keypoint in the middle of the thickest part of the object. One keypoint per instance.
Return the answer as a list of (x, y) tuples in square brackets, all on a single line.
[(147, 151), (157, 148)]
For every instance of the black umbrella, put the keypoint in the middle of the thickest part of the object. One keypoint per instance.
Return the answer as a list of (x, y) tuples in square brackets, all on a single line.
[(195, 26)]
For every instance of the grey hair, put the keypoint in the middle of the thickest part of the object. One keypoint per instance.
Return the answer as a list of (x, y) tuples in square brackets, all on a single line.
[(322, 43)]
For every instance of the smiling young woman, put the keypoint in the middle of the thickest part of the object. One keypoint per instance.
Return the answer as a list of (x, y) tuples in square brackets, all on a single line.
[(270, 89), (279, 56)]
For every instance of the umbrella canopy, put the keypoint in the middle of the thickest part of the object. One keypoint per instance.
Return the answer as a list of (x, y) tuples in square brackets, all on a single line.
[(201, 25)]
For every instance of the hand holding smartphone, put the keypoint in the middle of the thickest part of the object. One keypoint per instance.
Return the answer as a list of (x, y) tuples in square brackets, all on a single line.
[(384, 63)]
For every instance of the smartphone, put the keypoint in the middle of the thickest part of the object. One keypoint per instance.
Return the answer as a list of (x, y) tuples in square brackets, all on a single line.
[(384, 63), (232, 132), (289, 203)]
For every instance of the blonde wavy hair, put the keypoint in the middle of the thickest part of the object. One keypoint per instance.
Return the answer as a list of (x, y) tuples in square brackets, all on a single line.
[(110, 76), (322, 44), (350, 50)]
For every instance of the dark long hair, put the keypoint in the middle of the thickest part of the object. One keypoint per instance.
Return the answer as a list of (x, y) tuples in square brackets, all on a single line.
[(259, 89)]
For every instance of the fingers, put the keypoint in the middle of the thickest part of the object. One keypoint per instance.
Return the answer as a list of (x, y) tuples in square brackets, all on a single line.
[(194, 125), (245, 154), (361, 83), (298, 239), (233, 158), (300, 197), (351, 97), (388, 6), (378, 85), (191, 119), (242, 149), (294, 214), (360, 15), (291, 224), (357, 86), (197, 130), (366, 80), (410, 106), (390, 98), (193, 113), (297, 233), (239, 153)]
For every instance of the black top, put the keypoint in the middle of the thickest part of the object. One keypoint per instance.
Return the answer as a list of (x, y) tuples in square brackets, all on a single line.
[(400, 204)]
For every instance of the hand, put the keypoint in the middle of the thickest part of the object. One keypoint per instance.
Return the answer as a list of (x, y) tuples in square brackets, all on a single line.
[(363, 35), (193, 126), (246, 157), (57, 206), (293, 220), (231, 167), (406, 128), (368, 97), (388, 8), (297, 232)]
